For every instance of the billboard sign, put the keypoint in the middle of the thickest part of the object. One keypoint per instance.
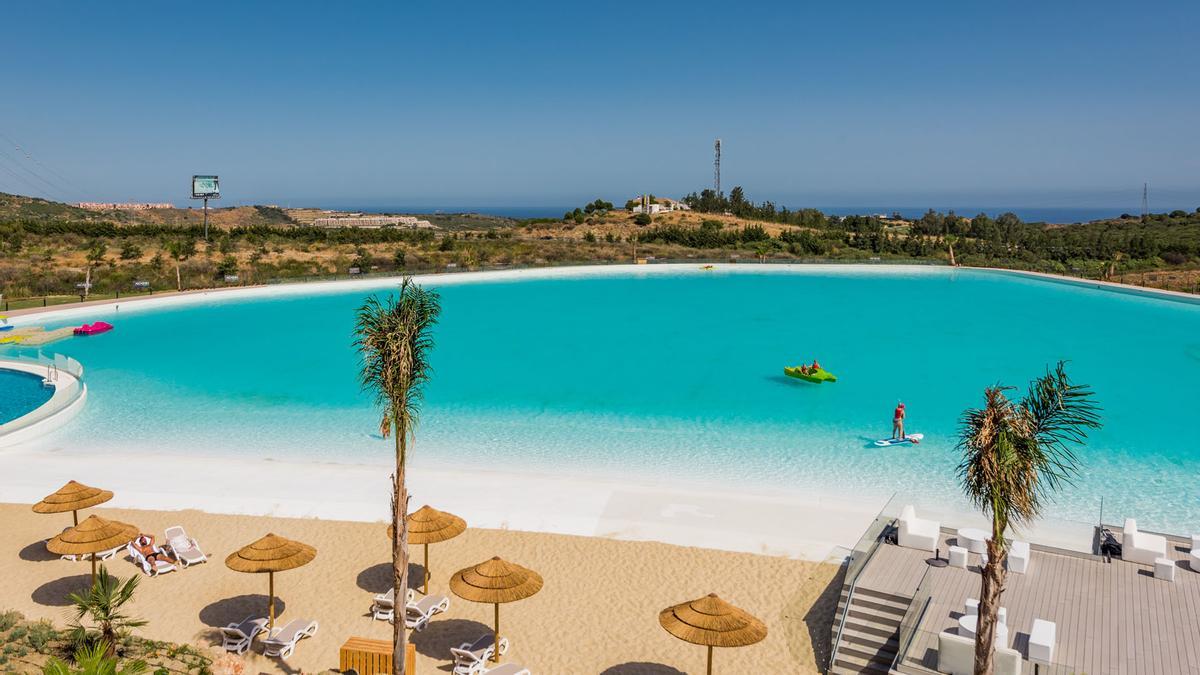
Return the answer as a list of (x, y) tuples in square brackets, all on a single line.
[(205, 187)]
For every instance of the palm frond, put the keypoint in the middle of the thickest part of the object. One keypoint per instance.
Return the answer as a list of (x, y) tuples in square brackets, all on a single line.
[(1015, 455), (394, 339)]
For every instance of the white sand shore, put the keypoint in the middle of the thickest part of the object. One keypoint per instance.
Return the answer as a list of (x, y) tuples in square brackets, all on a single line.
[(808, 527)]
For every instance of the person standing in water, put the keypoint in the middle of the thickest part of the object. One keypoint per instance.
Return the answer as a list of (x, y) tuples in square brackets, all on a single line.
[(898, 421)]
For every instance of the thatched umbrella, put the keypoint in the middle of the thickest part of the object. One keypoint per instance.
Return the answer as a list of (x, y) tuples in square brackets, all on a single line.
[(270, 554), (93, 535), (428, 526), (72, 497), (712, 622), (495, 581)]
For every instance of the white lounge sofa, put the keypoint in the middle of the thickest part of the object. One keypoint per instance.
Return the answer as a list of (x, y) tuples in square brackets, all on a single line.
[(917, 533), (1141, 547), (956, 656)]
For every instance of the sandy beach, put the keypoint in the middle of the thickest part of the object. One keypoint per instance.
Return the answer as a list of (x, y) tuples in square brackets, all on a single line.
[(596, 614)]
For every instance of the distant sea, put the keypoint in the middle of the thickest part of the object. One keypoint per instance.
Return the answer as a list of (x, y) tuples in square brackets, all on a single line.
[(1026, 213)]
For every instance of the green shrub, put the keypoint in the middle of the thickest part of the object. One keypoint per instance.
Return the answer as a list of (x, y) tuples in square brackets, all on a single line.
[(9, 619), (40, 635)]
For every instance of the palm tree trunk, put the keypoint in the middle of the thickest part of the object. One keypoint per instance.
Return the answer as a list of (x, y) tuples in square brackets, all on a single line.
[(989, 601), (178, 280), (952, 256), (400, 551)]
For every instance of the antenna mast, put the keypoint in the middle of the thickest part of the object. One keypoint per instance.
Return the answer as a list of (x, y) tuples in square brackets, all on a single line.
[(717, 167)]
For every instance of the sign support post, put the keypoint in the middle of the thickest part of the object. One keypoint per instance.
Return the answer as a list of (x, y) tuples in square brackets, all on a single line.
[(206, 187)]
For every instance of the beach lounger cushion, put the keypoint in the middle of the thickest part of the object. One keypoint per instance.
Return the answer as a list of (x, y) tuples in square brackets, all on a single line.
[(282, 641)]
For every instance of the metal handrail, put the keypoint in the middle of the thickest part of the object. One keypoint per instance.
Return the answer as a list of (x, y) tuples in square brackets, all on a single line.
[(64, 364), (837, 640)]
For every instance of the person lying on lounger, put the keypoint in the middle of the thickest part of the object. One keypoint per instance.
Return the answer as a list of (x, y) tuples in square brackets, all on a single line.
[(145, 545)]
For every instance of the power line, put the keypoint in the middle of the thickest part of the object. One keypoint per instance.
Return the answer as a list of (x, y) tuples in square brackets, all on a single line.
[(35, 190), (73, 188), (39, 175), (53, 189)]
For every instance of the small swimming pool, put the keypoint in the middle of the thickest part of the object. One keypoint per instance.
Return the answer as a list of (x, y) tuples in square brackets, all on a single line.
[(20, 394)]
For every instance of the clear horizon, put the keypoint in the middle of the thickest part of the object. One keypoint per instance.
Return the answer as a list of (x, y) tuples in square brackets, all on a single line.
[(545, 105)]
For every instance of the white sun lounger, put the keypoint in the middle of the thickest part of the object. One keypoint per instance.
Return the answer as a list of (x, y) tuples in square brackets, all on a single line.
[(152, 569), (417, 614), (236, 637), (384, 606), (185, 548), (103, 555), (470, 658), (282, 641), (507, 669)]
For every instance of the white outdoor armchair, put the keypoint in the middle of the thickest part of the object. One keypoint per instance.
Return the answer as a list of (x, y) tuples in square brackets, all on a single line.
[(917, 533), (1141, 547)]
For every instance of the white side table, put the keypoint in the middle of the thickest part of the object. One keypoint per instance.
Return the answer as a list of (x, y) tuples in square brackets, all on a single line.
[(973, 539)]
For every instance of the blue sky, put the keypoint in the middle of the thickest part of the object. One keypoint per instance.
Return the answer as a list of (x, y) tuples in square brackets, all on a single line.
[(524, 103)]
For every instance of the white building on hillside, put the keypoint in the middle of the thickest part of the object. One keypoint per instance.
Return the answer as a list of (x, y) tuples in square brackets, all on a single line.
[(659, 205)]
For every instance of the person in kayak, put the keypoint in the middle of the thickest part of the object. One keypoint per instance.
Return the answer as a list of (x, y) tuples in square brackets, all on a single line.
[(816, 366), (898, 421)]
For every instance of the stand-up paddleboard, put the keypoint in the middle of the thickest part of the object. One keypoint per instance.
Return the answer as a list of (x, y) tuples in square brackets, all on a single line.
[(911, 438)]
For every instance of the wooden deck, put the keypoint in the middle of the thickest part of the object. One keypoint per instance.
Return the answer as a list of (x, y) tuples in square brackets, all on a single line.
[(1111, 617)]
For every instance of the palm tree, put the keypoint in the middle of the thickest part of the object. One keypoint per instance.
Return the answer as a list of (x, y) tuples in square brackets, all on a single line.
[(1014, 456), (102, 604), (394, 339), (93, 660), (951, 240)]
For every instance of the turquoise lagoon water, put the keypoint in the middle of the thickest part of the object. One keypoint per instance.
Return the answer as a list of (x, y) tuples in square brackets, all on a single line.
[(20, 394), (673, 376)]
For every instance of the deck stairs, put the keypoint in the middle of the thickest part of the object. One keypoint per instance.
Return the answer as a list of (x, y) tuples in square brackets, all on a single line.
[(871, 635)]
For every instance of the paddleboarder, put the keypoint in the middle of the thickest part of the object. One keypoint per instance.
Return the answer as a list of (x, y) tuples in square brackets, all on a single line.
[(898, 421)]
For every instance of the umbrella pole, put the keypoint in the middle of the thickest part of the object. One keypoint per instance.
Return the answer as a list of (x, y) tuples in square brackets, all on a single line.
[(93, 570), (425, 583), (496, 637), (710, 660), (271, 602), (75, 517)]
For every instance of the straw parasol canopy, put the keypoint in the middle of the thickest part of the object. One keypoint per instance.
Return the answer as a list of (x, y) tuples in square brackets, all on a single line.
[(93, 535), (72, 497), (428, 526), (270, 554), (712, 622), (495, 581)]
